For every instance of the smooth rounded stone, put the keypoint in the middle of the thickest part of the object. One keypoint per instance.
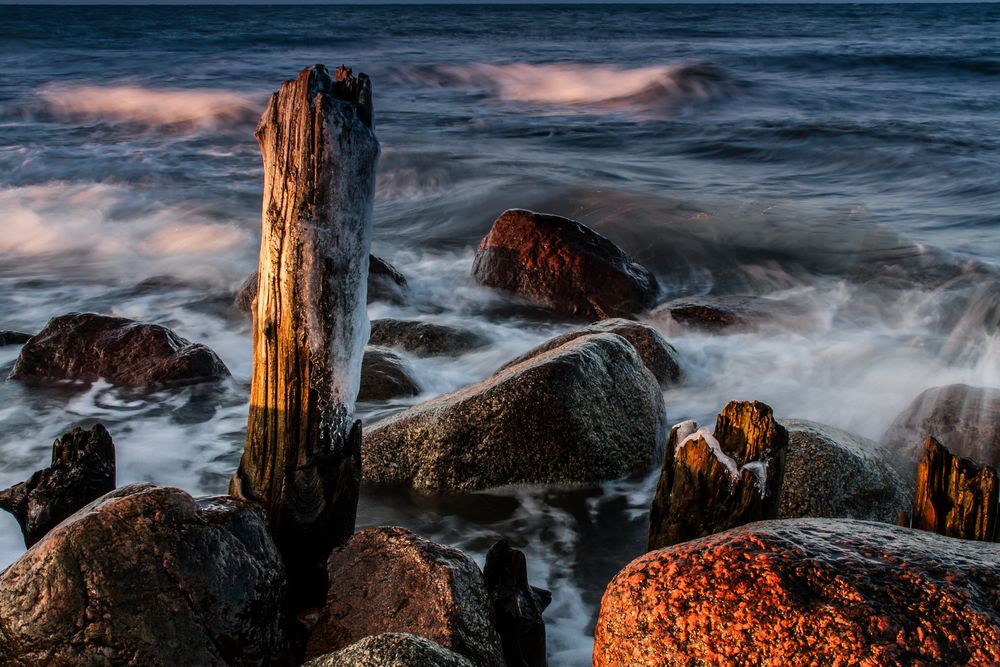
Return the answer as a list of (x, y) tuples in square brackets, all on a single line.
[(656, 353), (82, 470), (87, 347), (391, 649), (835, 474), (147, 576), (385, 375), (13, 338), (390, 580), (965, 419), (425, 338), (588, 410), (724, 314), (385, 283), (564, 266), (805, 591)]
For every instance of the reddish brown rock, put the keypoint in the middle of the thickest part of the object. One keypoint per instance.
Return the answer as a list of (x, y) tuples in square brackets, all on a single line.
[(86, 346), (82, 470), (713, 481), (148, 576), (724, 314), (390, 580), (955, 496), (805, 591), (564, 266), (966, 418)]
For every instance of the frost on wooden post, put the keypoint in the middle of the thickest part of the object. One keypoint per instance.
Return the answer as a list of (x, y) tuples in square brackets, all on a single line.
[(302, 459)]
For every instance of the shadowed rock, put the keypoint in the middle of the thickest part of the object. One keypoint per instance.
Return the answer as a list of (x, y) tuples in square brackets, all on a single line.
[(805, 591), (714, 481), (148, 576), (82, 470), (564, 266), (588, 410), (425, 338), (955, 497), (656, 353), (723, 314), (517, 606), (13, 338), (86, 347), (390, 580), (385, 375), (391, 649)]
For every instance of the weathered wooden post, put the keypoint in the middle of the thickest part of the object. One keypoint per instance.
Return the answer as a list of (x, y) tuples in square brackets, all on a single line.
[(302, 459), (956, 497)]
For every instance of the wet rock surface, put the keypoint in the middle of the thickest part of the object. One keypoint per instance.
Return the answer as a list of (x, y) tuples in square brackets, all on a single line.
[(834, 474), (954, 496), (587, 410), (710, 482), (722, 314), (13, 338), (564, 266), (656, 353), (517, 606), (87, 346), (82, 470), (392, 649), (965, 418), (147, 576), (822, 591), (385, 375), (425, 339), (390, 580)]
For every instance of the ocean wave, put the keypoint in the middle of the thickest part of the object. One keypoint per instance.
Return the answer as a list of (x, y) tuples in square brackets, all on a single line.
[(149, 106), (578, 84)]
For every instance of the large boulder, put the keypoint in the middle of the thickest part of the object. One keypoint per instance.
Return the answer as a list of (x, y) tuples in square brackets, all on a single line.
[(384, 375), (659, 356), (392, 649), (390, 580), (588, 410), (147, 576), (385, 283), (87, 346), (82, 470), (834, 474), (966, 419), (425, 338), (805, 591), (563, 265)]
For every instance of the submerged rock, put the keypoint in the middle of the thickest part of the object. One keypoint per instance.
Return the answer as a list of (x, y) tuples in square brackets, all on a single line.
[(713, 481), (834, 474), (588, 410), (723, 314), (425, 338), (390, 580), (13, 338), (820, 591), (385, 283), (517, 606), (392, 649), (956, 497), (86, 347), (147, 576), (385, 375), (82, 470), (564, 266), (656, 353), (966, 418)]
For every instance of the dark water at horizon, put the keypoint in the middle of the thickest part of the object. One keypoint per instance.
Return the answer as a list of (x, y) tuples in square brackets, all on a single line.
[(840, 159)]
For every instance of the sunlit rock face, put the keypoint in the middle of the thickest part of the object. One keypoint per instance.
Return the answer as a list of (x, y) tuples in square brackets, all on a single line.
[(563, 265), (839, 591)]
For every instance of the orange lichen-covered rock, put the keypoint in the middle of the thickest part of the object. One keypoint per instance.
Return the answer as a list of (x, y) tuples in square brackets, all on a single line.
[(805, 591), (564, 266)]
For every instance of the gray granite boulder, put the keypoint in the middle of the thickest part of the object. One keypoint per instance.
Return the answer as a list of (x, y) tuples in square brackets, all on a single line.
[(426, 339), (391, 649)]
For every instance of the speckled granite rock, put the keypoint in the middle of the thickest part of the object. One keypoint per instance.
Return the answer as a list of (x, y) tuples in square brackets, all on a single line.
[(425, 338), (656, 353), (587, 410), (834, 474), (385, 375), (391, 649), (390, 580), (805, 591), (147, 576)]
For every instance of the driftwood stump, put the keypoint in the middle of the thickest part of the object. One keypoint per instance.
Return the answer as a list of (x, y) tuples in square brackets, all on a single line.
[(954, 496), (302, 459)]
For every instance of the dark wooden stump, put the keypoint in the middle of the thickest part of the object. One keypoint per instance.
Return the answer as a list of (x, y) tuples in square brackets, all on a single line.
[(954, 496), (302, 460)]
